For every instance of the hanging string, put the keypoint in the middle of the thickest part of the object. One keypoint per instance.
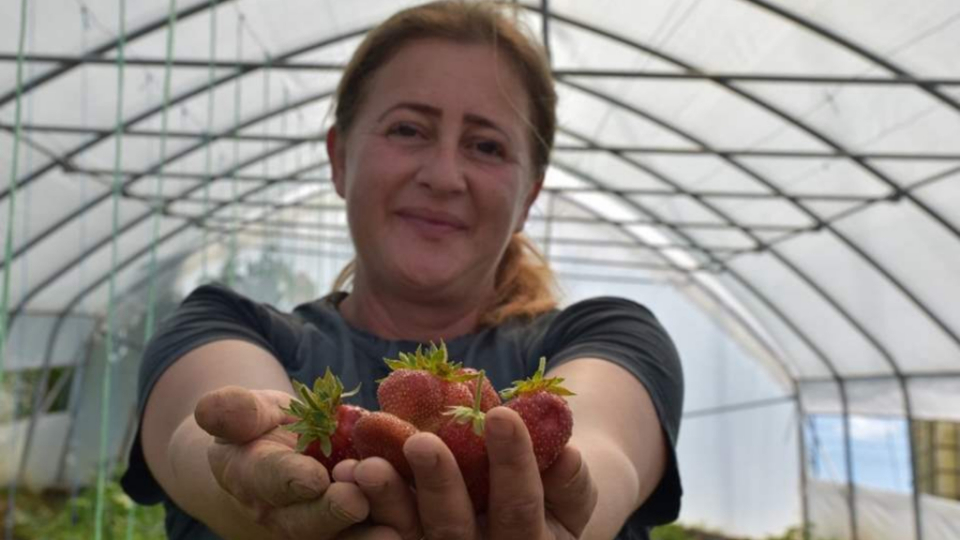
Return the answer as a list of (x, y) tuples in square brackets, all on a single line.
[(76, 376), (111, 308), (206, 136), (20, 385), (235, 187), (284, 166), (265, 163), (17, 134), (150, 324), (157, 214)]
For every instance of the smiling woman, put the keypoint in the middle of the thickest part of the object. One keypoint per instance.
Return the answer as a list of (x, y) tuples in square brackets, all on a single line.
[(437, 172), (444, 123)]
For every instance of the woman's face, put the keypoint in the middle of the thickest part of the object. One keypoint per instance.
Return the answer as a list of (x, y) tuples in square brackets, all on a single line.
[(437, 168)]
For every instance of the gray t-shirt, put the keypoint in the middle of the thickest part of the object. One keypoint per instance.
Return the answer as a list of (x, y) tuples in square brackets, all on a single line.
[(314, 336)]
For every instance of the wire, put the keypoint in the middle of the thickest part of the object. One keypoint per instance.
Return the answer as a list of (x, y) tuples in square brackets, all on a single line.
[(234, 191), (208, 150)]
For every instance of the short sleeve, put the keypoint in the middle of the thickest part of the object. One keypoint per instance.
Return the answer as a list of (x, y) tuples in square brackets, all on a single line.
[(629, 335), (210, 313)]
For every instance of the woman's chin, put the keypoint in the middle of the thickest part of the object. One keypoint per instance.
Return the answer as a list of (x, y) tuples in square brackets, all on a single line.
[(436, 278)]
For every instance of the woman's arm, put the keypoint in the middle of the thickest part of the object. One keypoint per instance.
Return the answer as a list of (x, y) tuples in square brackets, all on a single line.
[(616, 429), (183, 457)]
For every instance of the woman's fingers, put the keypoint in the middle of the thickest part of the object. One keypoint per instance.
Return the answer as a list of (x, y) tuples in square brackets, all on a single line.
[(341, 507), (569, 491), (392, 502), (516, 493), (369, 532), (239, 415), (267, 472), (444, 505)]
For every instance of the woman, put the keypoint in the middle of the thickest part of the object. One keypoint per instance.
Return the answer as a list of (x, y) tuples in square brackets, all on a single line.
[(444, 122)]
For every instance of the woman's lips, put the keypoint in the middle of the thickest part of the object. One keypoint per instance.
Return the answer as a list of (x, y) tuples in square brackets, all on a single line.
[(431, 224)]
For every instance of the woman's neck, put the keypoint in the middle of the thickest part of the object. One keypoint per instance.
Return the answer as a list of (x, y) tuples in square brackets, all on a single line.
[(413, 318)]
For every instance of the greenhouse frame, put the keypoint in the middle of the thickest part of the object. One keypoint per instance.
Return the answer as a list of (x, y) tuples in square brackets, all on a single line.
[(779, 181)]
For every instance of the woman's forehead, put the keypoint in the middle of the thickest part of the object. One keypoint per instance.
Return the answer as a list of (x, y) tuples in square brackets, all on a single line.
[(454, 78)]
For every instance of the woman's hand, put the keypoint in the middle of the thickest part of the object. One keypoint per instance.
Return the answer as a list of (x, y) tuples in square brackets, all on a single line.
[(523, 504), (253, 459)]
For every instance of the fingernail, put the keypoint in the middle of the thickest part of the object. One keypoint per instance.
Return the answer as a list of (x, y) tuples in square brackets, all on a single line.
[(303, 490), (422, 459), (498, 428)]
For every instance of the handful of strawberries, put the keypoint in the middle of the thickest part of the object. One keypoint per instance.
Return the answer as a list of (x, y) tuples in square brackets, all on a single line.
[(427, 392)]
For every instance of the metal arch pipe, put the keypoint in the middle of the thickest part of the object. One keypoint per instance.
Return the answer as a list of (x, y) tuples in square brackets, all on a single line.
[(38, 392), (126, 227), (880, 348), (851, 486), (818, 221), (81, 366), (721, 77), (925, 86), (630, 149), (197, 90), (795, 122), (151, 170), (140, 32), (896, 192), (827, 364)]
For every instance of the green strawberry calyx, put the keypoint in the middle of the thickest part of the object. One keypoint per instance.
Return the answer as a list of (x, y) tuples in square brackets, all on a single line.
[(316, 411), (472, 415), (536, 383), (436, 361)]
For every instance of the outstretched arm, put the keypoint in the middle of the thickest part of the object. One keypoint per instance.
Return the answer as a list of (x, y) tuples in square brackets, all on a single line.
[(247, 482)]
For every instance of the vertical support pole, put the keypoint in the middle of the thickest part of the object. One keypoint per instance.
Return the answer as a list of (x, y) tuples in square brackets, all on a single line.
[(848, 458), (802, 454), (914, 482)]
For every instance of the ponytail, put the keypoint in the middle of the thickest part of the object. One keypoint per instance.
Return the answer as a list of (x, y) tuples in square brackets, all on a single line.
[(525, 286)]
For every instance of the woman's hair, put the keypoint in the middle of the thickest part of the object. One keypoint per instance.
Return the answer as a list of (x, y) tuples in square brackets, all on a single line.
[(524, 283)]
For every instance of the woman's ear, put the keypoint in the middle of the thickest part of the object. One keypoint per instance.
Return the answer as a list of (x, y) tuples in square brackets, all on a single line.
[(528, 202), (336, 154)]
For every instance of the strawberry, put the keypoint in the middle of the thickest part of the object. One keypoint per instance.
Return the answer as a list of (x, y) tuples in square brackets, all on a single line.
[(540, 404), (324, 425), (422, 386), (382, 434), (463, 435)]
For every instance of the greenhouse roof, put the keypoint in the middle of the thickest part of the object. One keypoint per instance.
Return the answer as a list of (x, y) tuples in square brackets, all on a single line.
[(793, 166)]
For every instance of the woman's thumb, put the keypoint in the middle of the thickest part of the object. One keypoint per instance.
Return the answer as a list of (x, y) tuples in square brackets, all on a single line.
[(238, 415)]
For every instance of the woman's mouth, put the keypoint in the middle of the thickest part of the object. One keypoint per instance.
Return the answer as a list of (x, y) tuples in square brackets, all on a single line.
[(432, 224)]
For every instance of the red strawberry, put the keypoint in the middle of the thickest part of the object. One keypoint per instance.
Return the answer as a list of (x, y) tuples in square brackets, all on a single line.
[(463, 435), (422, 387), (540, 404), (382, 434), (324, 425)]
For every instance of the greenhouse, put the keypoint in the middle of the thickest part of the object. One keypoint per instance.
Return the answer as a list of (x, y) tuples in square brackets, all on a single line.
[(778, 181)]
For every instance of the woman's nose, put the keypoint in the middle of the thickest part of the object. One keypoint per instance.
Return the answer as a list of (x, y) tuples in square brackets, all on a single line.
[(442, 172)]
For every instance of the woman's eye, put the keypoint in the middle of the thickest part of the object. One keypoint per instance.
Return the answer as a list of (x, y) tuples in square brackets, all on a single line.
[(490, 148), (404, 130)]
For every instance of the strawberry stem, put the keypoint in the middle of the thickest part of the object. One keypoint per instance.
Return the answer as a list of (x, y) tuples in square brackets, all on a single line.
[(536, 383), (475, 416), (316, 410), (478, 393)]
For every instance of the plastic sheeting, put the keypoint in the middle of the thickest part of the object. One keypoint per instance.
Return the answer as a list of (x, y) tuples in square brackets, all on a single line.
[(791, 169)]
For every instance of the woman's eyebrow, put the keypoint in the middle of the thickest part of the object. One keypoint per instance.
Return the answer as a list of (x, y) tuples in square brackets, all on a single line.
[(421, 108)]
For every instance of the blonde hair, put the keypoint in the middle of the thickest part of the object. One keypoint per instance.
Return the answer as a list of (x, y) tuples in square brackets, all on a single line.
[(524, 283)]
